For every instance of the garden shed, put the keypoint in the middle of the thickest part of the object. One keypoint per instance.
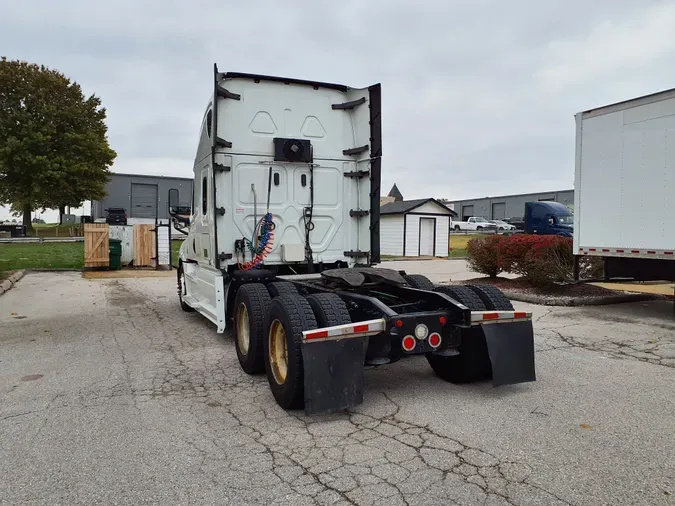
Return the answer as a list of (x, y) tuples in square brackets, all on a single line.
[(414, 228)]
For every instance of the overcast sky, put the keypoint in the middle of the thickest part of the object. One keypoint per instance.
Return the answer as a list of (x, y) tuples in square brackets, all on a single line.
[(479, 96)]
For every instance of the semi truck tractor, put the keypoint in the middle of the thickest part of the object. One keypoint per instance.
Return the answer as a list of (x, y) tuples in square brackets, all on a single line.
[(625, 187), (548, 218), (283, 244)]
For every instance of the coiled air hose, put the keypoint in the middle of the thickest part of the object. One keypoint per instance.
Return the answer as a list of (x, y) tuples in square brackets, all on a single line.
[(261, 243)]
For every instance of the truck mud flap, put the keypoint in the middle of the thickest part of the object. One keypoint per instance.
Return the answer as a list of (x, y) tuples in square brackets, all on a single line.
[(511, 350), (333, 374)]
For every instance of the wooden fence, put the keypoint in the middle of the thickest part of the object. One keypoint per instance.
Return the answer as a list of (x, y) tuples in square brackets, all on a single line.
[(139, 244), (96, 245), (145, 253)]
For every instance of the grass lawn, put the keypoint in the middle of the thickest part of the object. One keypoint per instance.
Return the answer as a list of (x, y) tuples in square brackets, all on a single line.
[(14, 257), (41, 256), (458, 244)]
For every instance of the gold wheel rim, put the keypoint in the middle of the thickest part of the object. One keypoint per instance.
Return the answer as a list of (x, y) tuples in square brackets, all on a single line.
[(243, 331), (278, 352)]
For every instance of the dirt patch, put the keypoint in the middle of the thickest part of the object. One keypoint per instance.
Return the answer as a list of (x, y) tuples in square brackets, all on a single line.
[(129, 273), (581, 294)]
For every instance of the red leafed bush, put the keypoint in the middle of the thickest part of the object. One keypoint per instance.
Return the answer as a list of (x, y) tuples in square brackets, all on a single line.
[(541, 259), (484, 254)]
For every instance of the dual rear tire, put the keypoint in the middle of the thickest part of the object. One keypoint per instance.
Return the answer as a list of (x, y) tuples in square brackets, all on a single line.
[(473, 362), (268, 333)]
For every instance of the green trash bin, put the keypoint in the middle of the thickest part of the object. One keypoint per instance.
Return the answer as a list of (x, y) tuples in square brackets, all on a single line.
[(115, 255)]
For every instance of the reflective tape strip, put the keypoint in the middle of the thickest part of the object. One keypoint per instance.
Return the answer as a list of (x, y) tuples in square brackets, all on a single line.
[(358, 329), (618, 251), (479, 317)]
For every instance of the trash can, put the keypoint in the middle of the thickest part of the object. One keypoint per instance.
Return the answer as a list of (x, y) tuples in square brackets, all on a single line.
[(115, 255)]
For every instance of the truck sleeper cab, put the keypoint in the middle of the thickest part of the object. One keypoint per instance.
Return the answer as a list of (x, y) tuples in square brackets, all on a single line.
[(548, 218), (282, 238)]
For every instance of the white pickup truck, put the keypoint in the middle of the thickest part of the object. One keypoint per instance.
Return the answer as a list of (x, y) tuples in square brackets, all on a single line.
[(472, 224)]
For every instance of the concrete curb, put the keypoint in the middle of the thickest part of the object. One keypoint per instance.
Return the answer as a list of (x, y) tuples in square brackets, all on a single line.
[(7, 284), (601, 300)]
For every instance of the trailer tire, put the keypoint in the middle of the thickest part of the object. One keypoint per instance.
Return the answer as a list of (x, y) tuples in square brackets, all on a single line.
[(463, 295), (473, 362), (492, 297), (250, 307), (181, 289), (419, 282), (277, 288), (329, 309), (287, 317)]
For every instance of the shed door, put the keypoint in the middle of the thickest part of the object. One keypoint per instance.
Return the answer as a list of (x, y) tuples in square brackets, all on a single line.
[(499, 211), (143, 200), (467, 212), (427, 228)]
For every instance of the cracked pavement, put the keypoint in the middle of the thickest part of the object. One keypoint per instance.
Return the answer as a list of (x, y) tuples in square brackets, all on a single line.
[(109, 393)]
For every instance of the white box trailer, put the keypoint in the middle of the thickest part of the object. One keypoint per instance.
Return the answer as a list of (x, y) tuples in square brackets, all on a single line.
[(624, 205)]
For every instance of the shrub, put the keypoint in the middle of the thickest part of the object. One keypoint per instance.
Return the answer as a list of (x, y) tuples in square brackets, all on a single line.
[(484, 254), (541, 259)]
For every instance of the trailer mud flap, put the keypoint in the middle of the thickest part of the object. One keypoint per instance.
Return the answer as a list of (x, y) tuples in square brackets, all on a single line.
[(333, 374), (511, 350)]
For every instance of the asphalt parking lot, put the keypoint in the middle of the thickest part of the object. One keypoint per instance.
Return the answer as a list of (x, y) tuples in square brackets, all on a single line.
[(110, 394)]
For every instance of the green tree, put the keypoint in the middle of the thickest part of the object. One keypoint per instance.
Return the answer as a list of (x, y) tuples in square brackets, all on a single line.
[(54, 149)]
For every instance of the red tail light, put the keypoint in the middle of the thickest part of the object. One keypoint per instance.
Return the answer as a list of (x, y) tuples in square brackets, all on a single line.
[(408, 343), (434, 340)]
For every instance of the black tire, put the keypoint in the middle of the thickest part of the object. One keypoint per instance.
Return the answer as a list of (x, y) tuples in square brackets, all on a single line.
[(457, 228), (277, 288), (463, 295), (183, 305), (492, 297), (418, 281), (329, 309), (473, 362), (256, 300), (295, 315), (479, 228)]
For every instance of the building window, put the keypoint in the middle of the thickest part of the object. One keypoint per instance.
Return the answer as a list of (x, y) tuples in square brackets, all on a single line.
[(204, 196)]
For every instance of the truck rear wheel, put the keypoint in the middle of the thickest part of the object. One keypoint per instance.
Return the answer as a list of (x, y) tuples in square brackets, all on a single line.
[(492, 297), (277, 288), (329, 309), (250, 306), (463, 295), (473, 362), (287, 317), (419, 282)]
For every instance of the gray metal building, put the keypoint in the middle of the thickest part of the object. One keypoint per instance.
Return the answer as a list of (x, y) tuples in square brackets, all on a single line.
[(507, 206), (143, 197)]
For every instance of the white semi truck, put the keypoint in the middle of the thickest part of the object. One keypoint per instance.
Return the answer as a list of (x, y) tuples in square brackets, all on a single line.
[(625, 187), (282, 239)]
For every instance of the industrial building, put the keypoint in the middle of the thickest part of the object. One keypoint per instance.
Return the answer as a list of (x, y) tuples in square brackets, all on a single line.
[(143, 197), (507, 206)]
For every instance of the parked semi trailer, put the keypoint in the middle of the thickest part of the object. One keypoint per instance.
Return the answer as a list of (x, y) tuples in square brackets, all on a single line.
[(283, 239), (625, 187)]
